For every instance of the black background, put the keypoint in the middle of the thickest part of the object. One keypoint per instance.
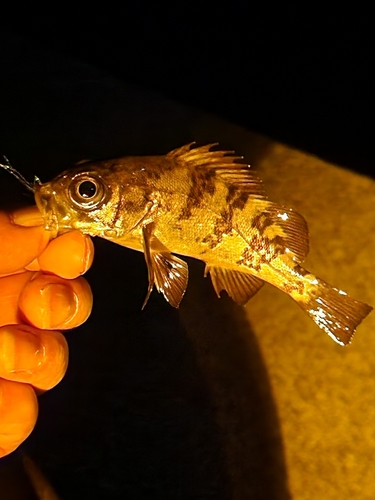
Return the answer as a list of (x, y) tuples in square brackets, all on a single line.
[(304, 77)]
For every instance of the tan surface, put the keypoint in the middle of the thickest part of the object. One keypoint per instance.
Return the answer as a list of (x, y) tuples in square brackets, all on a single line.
[(324, 393)]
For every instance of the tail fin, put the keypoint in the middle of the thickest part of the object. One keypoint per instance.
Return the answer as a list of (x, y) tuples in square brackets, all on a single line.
[(335, 312)]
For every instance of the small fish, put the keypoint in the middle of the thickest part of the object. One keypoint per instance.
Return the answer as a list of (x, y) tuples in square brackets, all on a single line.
[(202, 203)]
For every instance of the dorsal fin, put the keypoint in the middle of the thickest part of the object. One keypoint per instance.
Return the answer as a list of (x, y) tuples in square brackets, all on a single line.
[(282, 228), (229, 167)]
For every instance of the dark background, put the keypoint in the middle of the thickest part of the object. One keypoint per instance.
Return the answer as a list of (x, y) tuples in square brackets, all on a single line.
[(303, 77)]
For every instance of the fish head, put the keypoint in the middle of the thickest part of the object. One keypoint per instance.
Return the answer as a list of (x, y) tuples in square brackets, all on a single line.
[(91, 199)]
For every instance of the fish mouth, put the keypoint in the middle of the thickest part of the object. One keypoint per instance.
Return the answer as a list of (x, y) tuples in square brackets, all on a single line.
[(44, 198)]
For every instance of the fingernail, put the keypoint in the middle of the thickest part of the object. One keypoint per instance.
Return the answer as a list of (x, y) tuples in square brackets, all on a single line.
[(58, 305), (28, 217), (21, 350)]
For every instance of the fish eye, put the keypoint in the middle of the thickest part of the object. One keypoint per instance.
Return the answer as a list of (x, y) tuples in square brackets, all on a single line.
[(86, 191)]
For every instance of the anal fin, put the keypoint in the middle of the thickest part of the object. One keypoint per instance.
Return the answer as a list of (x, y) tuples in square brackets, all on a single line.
[(166, 271), (239, 286)]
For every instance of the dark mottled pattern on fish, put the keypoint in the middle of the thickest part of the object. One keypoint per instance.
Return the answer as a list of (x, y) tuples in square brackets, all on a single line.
[(249, 258), (300, 270), (130, 204), (153, 173), (240, 200), (261, 222), (291, 287), (223, 226), (236, 198), (261, 250), (201, 182), (278, 245)]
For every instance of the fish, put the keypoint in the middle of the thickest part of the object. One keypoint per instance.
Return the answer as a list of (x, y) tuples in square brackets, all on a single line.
[(204, 203)]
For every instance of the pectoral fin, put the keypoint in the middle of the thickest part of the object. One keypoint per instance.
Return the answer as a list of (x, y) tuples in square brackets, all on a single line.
[(239, 286), (167, 272)]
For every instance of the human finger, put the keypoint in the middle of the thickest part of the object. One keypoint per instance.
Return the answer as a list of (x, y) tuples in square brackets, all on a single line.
[(50, 302), (33, 356), (68, 255), (18, 414), (45, 301), (23, 238), (11, 288)]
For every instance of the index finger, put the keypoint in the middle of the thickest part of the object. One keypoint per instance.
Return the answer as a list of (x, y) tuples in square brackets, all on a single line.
[(23, 238)]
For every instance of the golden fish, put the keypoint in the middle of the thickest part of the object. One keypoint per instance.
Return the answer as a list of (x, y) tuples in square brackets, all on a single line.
[(205, 204)]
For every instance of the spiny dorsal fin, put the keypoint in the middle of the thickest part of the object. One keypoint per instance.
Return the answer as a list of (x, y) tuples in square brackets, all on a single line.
[(239, 286), (229, 167)]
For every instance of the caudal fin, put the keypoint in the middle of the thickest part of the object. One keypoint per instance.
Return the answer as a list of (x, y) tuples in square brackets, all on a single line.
[(335, 312)]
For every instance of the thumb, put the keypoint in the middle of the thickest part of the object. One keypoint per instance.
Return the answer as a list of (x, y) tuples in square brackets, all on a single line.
[(23, 238)]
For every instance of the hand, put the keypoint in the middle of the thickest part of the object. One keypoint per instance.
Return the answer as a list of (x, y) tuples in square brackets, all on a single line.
[(40, 292)]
